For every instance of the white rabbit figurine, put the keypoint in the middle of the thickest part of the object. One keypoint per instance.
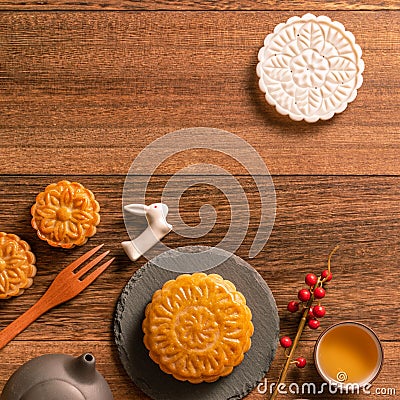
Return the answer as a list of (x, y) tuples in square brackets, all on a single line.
[(158, 227)]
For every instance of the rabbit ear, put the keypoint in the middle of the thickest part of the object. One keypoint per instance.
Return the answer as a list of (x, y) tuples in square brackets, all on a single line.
[(164, 208), (136, 209)]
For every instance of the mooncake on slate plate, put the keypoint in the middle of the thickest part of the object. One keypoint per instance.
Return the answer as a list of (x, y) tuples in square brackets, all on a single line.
[(198, 327)]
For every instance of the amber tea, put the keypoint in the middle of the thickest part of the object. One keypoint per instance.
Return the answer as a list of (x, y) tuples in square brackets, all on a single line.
[(348, 353)]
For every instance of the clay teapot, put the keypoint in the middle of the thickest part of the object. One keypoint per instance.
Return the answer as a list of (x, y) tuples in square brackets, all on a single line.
[(57, 377)]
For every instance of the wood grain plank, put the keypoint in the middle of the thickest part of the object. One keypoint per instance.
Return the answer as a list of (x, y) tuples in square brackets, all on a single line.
[(175, 5), (108, 364), (86, 92), (362, 214)]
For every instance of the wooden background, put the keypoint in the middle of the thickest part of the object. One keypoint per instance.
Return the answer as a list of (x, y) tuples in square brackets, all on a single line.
[(86, 85)]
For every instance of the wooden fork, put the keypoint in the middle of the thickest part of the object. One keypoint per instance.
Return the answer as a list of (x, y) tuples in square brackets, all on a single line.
[(65, 286)]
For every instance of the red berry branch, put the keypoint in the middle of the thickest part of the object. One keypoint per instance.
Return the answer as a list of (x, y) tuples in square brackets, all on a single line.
[(310, 315)]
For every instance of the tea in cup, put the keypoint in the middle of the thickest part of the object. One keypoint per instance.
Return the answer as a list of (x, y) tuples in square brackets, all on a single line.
[(348, 353)]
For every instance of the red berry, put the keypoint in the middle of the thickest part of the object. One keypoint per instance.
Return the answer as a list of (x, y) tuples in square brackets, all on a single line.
[(319, 293), (293, 306), (301, 362), (311, 279), (319, 311), (304, 295), (326, 275), (310, 314), (286, 341), (313, 323)]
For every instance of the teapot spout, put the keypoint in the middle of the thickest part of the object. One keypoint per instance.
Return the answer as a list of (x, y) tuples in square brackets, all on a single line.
[(83, 368)]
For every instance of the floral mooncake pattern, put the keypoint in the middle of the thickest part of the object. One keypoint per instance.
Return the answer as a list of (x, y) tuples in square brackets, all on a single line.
[(198, 327), (17, 268), (65, 214), (310, 68)]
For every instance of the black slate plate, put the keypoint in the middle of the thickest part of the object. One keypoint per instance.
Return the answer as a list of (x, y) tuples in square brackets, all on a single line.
[(129, 336)]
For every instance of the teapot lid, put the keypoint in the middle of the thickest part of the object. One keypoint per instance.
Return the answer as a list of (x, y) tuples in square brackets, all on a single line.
[(57, 377), (53, 390)]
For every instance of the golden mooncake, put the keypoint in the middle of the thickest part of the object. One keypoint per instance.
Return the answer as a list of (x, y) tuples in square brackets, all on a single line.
[(197, 327), (65, 214), (17, 268)]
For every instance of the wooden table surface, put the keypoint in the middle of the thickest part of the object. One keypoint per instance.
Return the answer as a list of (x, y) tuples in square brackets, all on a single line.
[(86, 85)]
